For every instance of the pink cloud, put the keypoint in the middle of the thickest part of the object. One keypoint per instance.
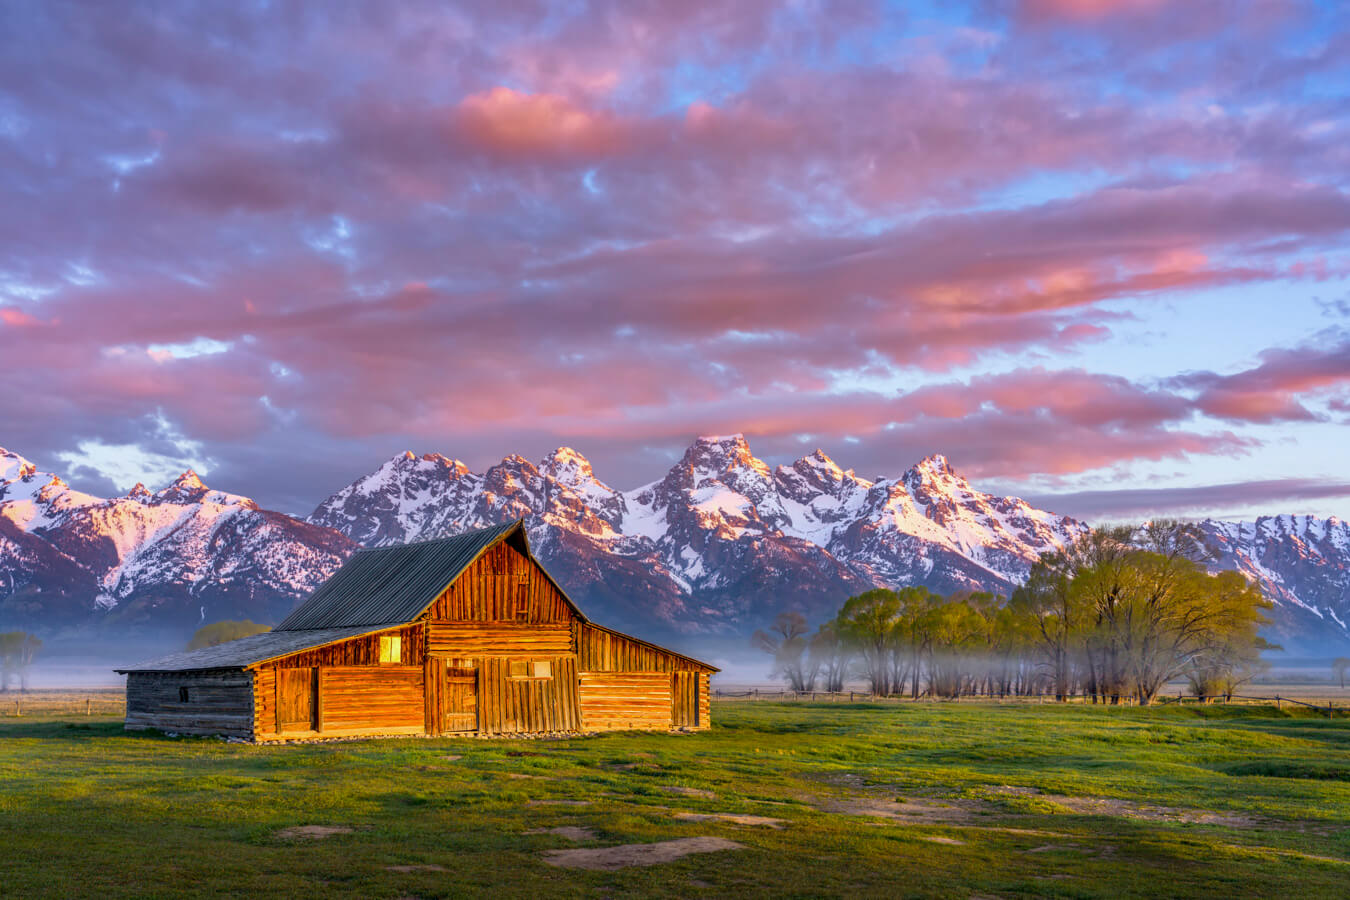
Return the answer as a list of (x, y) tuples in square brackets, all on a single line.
[(546, 125), (1089, 9)]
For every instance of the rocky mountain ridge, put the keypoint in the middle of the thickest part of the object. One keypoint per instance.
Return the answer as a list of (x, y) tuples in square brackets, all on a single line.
[(172, 558), (718, 545)]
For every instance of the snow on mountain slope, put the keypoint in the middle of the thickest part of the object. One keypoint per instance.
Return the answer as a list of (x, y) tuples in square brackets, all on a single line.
[(1303, 563), (185, 553)]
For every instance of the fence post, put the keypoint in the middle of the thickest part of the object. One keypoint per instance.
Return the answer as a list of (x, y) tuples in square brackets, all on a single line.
[(1277, 702), (88, 706)]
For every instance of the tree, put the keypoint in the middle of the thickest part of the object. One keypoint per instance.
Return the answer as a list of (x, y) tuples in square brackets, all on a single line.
[(1339, 666), (17, 649), (830, 655), (1055, 618), (867, 623), (223, 632), (787, 643)]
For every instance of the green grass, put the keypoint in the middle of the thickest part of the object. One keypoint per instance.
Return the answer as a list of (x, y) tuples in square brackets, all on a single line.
[(88, 810)]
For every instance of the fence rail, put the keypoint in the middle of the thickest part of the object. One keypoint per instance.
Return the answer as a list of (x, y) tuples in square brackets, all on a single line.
[(867, 697)]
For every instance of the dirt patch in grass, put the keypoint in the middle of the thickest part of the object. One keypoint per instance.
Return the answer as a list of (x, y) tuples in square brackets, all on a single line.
[(519, 776), (557, 803), (452, 758), (621, 857), (688, 791), (428, 867), (312, 832), (571, 832), (733, 818), (939, 839), (1114, 806), (900, 809)]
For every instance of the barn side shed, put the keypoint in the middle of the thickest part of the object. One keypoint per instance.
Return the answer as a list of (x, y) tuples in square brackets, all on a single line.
[(468, 634)]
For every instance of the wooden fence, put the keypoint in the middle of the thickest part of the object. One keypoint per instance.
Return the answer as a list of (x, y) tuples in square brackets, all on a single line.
[(867, 697)]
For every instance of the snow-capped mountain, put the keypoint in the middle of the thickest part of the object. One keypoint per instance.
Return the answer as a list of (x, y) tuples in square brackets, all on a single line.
[(721, 541), (1303, 563), (720, 544), (181, 555)]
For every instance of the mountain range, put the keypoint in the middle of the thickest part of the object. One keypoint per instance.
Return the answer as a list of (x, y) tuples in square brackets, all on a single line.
[(718, 546)]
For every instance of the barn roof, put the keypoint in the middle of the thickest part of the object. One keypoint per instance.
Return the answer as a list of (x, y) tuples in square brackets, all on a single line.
[(247, 651), (394, 585)]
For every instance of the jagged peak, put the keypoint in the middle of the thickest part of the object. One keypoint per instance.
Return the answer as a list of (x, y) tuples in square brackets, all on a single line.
[(566, 460), (819, 459), (724, 450), (138, 492), (514, 462), (13, 466), (935, 462), (567, 455), (737, 438)]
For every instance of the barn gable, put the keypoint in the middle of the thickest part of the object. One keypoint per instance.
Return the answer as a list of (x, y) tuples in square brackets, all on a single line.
[(395, 585)]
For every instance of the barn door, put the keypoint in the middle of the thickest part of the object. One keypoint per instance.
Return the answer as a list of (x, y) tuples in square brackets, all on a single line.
[(460, 700), (684, 697), (295, 699)]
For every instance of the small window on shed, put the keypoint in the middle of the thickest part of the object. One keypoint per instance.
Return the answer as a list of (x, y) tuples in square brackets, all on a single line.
[(518, 668), (541, 668), (391, 648), (183, 695)]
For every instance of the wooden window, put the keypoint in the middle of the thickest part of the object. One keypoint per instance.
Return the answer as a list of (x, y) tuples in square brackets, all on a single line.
[(522, 603), (183, 695), (529, 668), (391, 649)]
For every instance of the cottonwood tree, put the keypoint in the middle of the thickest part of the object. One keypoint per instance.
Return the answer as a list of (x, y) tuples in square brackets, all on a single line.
[(867, 623), (17, 650), (786, 641), (1339, 666), (831, 656), (1056, 618)]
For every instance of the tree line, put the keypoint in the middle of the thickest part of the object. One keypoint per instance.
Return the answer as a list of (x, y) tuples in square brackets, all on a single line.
[(1114, 616)]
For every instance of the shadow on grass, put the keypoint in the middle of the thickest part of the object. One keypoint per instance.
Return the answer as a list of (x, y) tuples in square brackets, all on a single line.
[(64, 729)]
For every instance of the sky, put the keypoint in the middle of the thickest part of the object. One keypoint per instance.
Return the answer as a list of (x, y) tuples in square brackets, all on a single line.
[(1093, 251)]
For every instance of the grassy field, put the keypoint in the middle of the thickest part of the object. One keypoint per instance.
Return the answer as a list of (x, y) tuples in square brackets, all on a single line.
[(944, 800)]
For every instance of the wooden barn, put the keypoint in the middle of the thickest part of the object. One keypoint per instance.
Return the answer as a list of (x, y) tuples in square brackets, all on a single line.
[(463, 635)]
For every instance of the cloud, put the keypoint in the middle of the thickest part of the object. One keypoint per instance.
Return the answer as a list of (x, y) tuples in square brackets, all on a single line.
[(1275, 390), (1142, 503), (523, 222)]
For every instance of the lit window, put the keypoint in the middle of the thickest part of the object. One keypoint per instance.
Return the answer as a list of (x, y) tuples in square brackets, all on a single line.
[(391, 648), (541, 668)]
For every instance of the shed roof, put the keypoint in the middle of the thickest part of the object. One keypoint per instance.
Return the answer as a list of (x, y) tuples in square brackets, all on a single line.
[(394, 585), (247, 651)]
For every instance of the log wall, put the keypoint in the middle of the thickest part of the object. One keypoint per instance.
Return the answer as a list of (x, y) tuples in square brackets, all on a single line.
[(621, 700), (704, 701), (219, 702), (502, 586), (361, 651), (350, 700), (471, 639)]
